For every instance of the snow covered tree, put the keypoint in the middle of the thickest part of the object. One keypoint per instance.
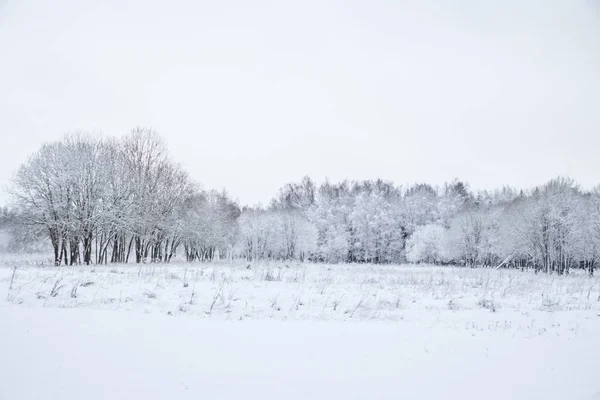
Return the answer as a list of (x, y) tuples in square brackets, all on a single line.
[(426, 244), (296, 196), (471, 239), (420, 206), (330, 215), (208, 226), (376, 229)]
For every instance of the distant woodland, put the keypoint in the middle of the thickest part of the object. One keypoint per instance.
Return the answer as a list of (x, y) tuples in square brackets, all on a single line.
[(106, 200)]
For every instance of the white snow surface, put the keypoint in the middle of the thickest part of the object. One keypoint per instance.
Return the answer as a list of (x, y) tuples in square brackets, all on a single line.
[(453, 333)]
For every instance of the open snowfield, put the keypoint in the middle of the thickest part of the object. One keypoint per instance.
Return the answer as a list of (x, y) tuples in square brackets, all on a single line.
[(271, 331)]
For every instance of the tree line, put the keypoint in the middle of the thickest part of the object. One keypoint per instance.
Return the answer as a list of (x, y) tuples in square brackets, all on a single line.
[(101, 200), (550, 228)]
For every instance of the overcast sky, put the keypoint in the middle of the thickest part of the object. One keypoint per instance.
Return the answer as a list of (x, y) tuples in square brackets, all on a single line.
[(250, 95)]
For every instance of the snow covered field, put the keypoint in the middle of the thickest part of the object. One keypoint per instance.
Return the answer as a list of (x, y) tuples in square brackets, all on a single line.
[(271, 331)]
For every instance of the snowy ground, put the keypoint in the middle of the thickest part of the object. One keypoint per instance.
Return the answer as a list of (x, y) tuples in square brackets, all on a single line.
[(273, 331)]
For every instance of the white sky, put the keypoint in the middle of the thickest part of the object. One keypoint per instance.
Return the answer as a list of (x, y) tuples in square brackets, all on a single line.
[(250, 95)]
